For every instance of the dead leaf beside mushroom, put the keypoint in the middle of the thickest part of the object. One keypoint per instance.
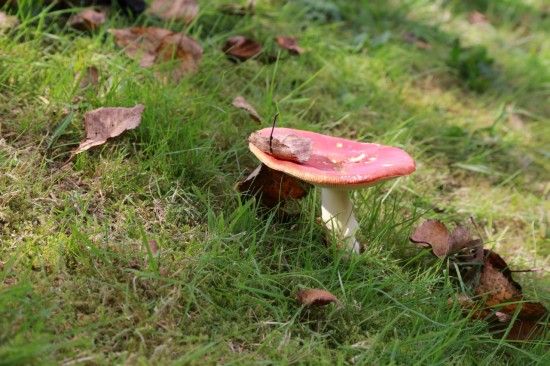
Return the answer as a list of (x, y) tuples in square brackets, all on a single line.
[(152, 45), (241, 48), (290, 44), (185, 10), (104, 123), (434, 234), (315, 297), (272, 187), (497, 298), (241, 103), (88, 19)]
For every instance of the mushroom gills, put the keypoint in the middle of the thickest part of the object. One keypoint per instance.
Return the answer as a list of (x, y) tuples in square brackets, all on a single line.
[(337, 214)]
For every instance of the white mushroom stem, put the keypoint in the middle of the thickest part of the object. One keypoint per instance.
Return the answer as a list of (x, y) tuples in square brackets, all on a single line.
[(337, 214)]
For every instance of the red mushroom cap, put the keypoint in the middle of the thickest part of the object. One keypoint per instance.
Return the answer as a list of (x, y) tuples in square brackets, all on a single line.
[(336, 161)]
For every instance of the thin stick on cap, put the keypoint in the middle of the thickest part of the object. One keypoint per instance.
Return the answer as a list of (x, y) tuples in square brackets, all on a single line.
[(275, 117)]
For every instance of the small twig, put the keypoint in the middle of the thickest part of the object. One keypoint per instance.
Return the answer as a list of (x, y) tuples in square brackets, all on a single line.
[(272, 129)]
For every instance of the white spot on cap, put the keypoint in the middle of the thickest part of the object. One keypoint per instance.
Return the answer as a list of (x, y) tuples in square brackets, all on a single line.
[(387, 165), (372, 158), (339, 145), (357, 158)]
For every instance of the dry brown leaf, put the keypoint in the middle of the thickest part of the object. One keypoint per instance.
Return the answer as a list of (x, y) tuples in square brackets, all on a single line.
[(155, 45), (315, 297), (272, 187), (475, 17), (241, 103), (290, 44), (90, 77), (185, 10), (434, 234), (289, 147), (88, 19), (185, 50), (7, 21), (140, 43), (498, 290), (241, 48), (104, 123)]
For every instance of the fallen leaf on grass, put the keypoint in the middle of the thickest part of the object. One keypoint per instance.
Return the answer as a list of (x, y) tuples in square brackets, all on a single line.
[(241, 48), (241, 103), (434, 234), (289, 147), (315, 297), (475, 17), (153, 45), (184, 50), (90, 77), (416, 40), (104, 123), (7, 21), (185, 10), (88, 19), (290, 44), (272, 187)]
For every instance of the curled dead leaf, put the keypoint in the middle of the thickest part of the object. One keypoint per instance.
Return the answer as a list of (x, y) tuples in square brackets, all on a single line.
[(241, 103), (184, 50), (272, 187), (155, 45), (434, 234), (241, 48), (88, 19), (290, 44), (289, 147), (315, 297), (185, 10), (89, 77), (104, 123)]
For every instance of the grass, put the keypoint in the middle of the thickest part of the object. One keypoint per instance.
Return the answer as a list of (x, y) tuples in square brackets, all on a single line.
[(78, 284)]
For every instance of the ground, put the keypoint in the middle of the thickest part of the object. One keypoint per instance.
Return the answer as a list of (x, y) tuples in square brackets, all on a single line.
[(78, 284)]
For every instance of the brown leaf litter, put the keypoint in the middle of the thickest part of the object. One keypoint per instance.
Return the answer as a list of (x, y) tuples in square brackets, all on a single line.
[(104, 123), (151, 45), (241, 48), (289, 147), (88, 19), (241, 103), (290, 44), (496, 297), (272, 187)]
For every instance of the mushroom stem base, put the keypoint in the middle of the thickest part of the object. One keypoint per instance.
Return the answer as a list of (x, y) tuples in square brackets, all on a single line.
[(337, 214)]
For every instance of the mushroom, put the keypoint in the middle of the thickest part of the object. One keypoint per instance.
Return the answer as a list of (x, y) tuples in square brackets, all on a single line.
[(338, 166)]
